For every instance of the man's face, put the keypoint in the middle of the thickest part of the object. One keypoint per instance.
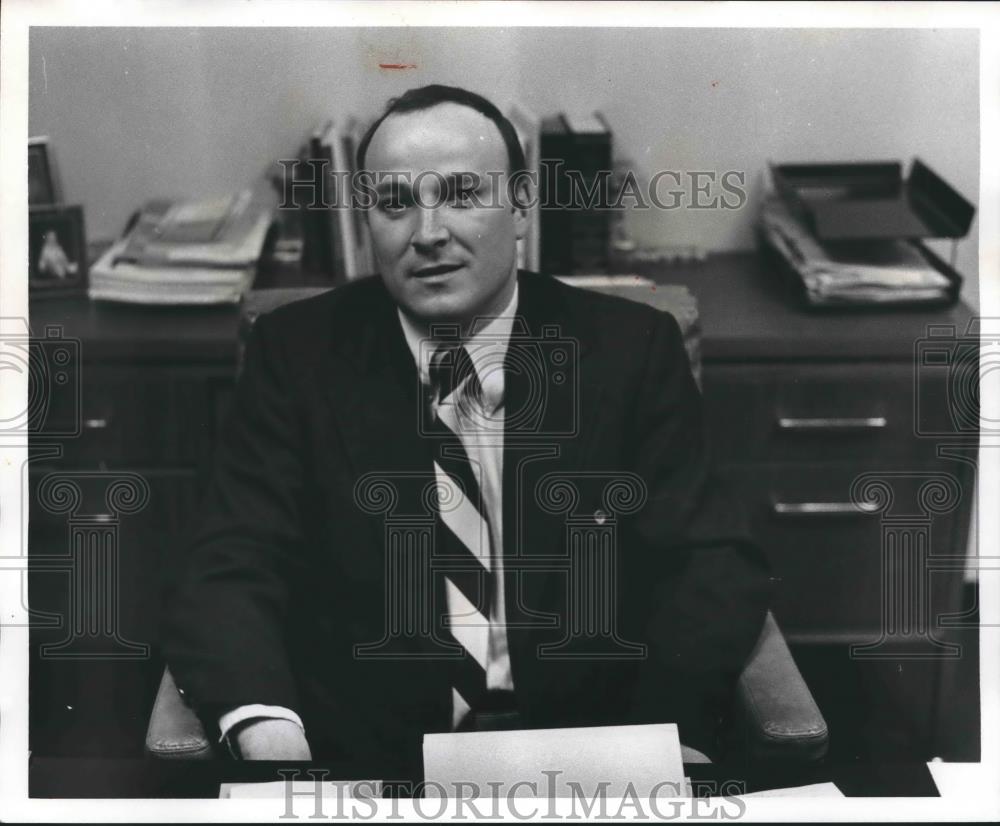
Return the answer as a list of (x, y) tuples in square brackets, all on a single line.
[(445, 253)]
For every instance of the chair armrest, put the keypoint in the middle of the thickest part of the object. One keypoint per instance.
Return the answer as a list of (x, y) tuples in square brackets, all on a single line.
[(175, 732), (781, 719)]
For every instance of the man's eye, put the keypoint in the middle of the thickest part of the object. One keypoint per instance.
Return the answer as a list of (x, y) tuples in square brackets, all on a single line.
[(462, 198), (394, 202)]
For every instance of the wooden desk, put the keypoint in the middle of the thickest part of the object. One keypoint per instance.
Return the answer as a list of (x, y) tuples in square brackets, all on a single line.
[(156, 383)]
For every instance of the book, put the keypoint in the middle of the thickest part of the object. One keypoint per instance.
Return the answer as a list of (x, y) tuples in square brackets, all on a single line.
[(529, 133), (556, 250), (354, 129), (341, 237), (319, 254), (576, 162), (591, 158), (346, 241)]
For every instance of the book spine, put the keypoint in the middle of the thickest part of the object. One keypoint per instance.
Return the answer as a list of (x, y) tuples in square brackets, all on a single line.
[(317, 254), (555, 249), (575, 236)]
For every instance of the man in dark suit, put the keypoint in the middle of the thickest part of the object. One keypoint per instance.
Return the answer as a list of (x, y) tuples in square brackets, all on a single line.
[(459, 496)]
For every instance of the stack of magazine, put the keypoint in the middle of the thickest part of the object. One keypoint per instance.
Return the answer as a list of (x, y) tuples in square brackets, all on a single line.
[(850, 272), (187, 252)]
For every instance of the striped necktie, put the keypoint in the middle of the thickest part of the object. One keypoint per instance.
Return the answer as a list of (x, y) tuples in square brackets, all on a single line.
[(463, 547)]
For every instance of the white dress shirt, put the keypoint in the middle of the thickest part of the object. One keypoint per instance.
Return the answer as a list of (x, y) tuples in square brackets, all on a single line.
[(481, 433)]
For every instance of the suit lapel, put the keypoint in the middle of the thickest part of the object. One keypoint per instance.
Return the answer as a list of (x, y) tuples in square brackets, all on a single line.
[(376, 400)]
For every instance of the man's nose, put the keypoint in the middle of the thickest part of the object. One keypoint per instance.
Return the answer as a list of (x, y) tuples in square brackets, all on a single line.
[(431, 231)]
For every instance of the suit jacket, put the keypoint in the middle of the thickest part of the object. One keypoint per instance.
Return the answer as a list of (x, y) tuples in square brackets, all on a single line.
[(287, 596)]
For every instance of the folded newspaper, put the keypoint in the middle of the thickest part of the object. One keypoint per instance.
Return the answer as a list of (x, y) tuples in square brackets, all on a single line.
[(846, 272)]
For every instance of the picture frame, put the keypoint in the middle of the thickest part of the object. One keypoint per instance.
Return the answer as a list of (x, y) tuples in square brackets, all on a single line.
[(57, 250), (43, 185)]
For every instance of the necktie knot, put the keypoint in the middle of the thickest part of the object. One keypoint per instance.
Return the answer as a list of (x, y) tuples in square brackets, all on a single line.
[(449, 367)]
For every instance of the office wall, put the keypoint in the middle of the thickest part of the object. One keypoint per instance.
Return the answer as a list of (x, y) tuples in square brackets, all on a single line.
[(141, 112), (138, 112)]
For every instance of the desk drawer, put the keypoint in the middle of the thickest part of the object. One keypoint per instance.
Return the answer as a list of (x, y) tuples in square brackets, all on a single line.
[(820, 412), (152, 536), (826, 554), (136, 417)]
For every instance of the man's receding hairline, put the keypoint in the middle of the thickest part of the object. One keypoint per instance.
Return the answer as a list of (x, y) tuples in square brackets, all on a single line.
[(436, 105)]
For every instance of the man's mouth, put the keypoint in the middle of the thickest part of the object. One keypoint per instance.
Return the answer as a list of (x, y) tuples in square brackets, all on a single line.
[(435, 270)]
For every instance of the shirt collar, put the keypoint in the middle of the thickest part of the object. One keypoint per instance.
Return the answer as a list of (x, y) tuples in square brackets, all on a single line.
[(487, 346)]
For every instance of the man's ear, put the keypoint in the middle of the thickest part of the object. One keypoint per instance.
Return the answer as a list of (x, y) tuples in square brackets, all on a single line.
[(520, 197)]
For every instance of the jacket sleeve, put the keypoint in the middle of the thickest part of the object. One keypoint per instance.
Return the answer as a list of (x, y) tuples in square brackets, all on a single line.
[(701, 585), (224, 634)]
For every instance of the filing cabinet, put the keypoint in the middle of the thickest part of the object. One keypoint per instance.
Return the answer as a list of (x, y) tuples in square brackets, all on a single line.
[(817, 420)]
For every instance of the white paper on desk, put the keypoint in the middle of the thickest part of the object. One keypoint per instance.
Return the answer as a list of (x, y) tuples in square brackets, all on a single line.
[(812, 790), (330, 789), (644, 756), (600, 280)]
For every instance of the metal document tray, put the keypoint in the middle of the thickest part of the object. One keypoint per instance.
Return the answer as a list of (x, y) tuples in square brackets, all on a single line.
[(854, 201)]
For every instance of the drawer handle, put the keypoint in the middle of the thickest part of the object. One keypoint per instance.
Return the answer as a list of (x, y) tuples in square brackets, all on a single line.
[(835, 424), (96, 424), (821, 508)]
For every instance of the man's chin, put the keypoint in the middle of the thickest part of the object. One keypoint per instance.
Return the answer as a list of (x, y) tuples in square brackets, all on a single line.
[(448, 303), (438, 309)]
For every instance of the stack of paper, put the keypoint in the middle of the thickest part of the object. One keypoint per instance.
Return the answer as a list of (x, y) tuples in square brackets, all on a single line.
[(813, 790), (610, 760), (860, 273), (194, 252), (323, 790)]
